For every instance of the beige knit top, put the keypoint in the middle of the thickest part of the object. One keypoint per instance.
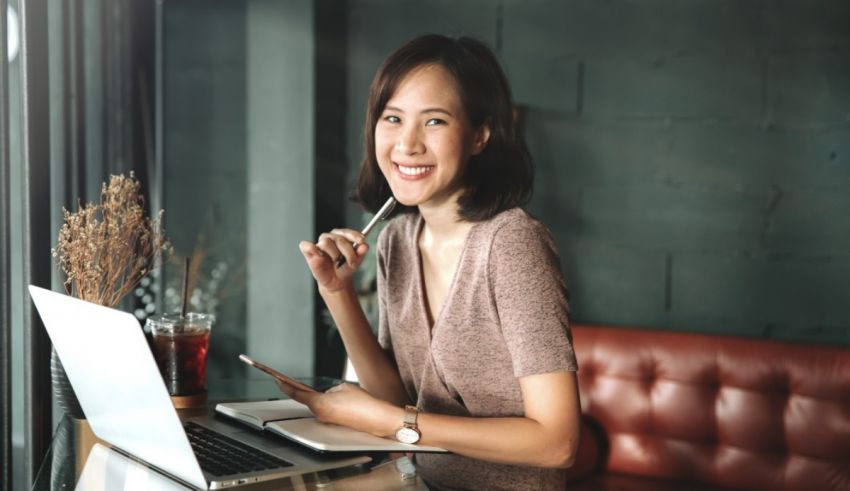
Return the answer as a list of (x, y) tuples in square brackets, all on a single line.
[(505, 316)]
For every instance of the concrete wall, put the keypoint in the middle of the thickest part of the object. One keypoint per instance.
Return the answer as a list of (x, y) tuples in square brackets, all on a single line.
[(204, 149), (280, 170), (238, 143), (693, 158)]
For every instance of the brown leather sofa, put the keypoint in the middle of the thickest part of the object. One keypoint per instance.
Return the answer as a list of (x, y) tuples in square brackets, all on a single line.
[(682, 411)]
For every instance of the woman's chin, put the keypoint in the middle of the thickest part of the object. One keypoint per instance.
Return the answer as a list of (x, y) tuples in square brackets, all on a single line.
[(409, 202), (406, 199)]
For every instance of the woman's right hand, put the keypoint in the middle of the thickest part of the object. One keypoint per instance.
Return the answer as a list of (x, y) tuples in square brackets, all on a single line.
[(322, 257)]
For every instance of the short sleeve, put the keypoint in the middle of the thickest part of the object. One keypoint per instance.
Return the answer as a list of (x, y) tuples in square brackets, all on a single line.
[(531, 298)]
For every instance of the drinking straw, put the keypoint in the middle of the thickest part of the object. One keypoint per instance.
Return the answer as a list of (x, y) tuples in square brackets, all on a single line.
[(185, 288)]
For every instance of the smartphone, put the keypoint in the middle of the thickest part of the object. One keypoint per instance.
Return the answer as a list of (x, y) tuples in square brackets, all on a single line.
[(274, 373)]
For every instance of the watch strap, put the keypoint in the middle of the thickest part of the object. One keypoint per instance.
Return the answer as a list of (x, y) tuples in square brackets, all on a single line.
[(410, 414)]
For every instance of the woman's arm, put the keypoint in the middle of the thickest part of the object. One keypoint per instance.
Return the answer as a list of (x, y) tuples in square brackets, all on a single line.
[(377, 373), (547, 435)]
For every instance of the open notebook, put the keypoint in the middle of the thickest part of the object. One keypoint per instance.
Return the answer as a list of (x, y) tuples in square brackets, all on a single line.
[(293, 420)]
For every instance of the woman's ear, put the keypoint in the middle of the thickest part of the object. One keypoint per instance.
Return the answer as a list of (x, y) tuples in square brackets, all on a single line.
[(482, 136)]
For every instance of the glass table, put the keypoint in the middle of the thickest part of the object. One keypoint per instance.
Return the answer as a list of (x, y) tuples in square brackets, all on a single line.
[(75, 451)]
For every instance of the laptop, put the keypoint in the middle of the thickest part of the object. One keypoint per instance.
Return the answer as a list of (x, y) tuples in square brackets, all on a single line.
[(114, 375)]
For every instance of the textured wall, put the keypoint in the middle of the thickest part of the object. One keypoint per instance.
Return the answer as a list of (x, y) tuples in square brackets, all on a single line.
[(693, 157)]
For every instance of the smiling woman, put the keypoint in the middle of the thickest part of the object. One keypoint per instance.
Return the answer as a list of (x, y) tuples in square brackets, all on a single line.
[(473, 352)]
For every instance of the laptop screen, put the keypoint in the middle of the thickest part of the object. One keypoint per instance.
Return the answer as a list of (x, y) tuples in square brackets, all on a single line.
[(108, 361)]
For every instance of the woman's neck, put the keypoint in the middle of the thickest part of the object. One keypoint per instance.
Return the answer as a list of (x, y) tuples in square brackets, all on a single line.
[(443, 222)]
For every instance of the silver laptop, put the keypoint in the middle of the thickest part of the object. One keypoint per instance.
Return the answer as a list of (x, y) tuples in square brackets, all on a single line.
[(114, 375)]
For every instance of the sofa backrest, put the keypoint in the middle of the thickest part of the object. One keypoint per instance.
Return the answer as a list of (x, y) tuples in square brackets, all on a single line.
[(743, 413)]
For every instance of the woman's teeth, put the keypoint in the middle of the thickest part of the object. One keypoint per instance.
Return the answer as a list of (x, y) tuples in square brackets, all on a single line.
[(414, 171)]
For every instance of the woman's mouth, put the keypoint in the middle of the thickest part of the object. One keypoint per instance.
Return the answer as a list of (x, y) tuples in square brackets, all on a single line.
[(413, 172)]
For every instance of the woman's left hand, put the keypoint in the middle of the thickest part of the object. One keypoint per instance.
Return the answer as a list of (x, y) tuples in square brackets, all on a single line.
[(349, 405)]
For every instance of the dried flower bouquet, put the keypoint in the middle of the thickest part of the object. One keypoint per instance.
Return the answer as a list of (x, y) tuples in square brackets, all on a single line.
[(106, 248)]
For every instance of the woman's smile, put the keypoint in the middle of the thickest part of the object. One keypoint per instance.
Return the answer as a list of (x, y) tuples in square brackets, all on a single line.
[(412, 172)]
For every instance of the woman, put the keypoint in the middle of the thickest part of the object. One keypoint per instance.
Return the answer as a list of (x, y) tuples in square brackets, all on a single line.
[(473, 312)]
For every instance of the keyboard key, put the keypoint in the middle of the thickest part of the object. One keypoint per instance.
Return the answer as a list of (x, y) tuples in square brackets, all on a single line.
[(220, 455)]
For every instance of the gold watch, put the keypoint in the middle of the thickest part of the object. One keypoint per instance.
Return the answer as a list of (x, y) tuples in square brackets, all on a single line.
[(409, 431)]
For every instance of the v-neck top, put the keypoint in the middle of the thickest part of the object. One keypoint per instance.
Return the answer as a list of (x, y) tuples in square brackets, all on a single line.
[(505, 316)]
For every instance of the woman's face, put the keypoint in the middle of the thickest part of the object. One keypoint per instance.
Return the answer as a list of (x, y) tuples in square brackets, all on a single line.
[(423, 139)]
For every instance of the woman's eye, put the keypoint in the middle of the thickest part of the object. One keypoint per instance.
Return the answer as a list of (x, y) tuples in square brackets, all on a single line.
[(392, 119), (434, 122)]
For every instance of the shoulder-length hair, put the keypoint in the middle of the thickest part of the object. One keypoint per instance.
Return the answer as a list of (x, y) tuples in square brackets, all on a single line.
[(500, 176)]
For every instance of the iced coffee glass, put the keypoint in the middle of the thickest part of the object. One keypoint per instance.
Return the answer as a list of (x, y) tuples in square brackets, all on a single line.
[(180, 346)]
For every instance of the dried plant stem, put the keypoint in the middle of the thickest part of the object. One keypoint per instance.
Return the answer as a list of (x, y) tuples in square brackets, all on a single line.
[(106, 248)]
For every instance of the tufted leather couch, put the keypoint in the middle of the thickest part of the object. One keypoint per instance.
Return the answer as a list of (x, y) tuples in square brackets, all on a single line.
[(683, 411)]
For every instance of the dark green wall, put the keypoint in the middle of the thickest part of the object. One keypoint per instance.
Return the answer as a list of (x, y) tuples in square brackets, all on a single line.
[(693, 158)]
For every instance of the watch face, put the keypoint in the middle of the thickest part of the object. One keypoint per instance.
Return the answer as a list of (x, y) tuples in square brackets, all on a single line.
[(407, 435)]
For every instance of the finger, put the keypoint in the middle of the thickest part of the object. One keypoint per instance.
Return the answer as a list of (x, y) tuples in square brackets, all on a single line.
[(344, 387), (327, 243), (353, 236), (345, 247), (354, 260), (296, 393), (307, 396), (309, 250), (286, 389), (316, 258), (357, 239), (334, 388), (362, 249)]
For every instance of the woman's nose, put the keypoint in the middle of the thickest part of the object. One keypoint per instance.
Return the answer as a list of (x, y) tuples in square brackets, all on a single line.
[(409, 141)]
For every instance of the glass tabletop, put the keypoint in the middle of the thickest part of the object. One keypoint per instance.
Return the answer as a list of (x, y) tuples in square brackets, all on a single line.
[(74, 447)]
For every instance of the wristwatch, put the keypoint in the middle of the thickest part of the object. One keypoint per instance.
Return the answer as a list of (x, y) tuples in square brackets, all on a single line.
[(409, 431)]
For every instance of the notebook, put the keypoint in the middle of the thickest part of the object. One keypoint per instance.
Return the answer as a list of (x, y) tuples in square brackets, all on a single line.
[(293, 420), (114, 375)]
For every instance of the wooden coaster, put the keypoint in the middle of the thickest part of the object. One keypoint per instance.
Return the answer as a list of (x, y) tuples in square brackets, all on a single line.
[(185, 402)]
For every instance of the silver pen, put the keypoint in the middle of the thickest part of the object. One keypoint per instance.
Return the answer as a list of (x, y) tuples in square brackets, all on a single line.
[(382, 214)]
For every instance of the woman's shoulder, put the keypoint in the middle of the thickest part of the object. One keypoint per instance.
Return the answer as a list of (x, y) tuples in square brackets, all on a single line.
[(515, 231), (514, 221)]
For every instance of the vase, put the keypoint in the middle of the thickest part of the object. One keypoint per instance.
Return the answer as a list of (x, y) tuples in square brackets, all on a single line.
[(62, 390), (63, 457)]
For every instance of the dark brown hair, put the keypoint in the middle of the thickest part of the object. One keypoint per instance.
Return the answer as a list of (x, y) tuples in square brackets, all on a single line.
[(501, 175)]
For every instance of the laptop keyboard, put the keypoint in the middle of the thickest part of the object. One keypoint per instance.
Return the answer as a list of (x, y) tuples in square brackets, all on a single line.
[(223, 456)]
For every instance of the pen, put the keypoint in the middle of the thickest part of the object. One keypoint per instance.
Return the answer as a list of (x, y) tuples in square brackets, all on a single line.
[(382, 213)]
